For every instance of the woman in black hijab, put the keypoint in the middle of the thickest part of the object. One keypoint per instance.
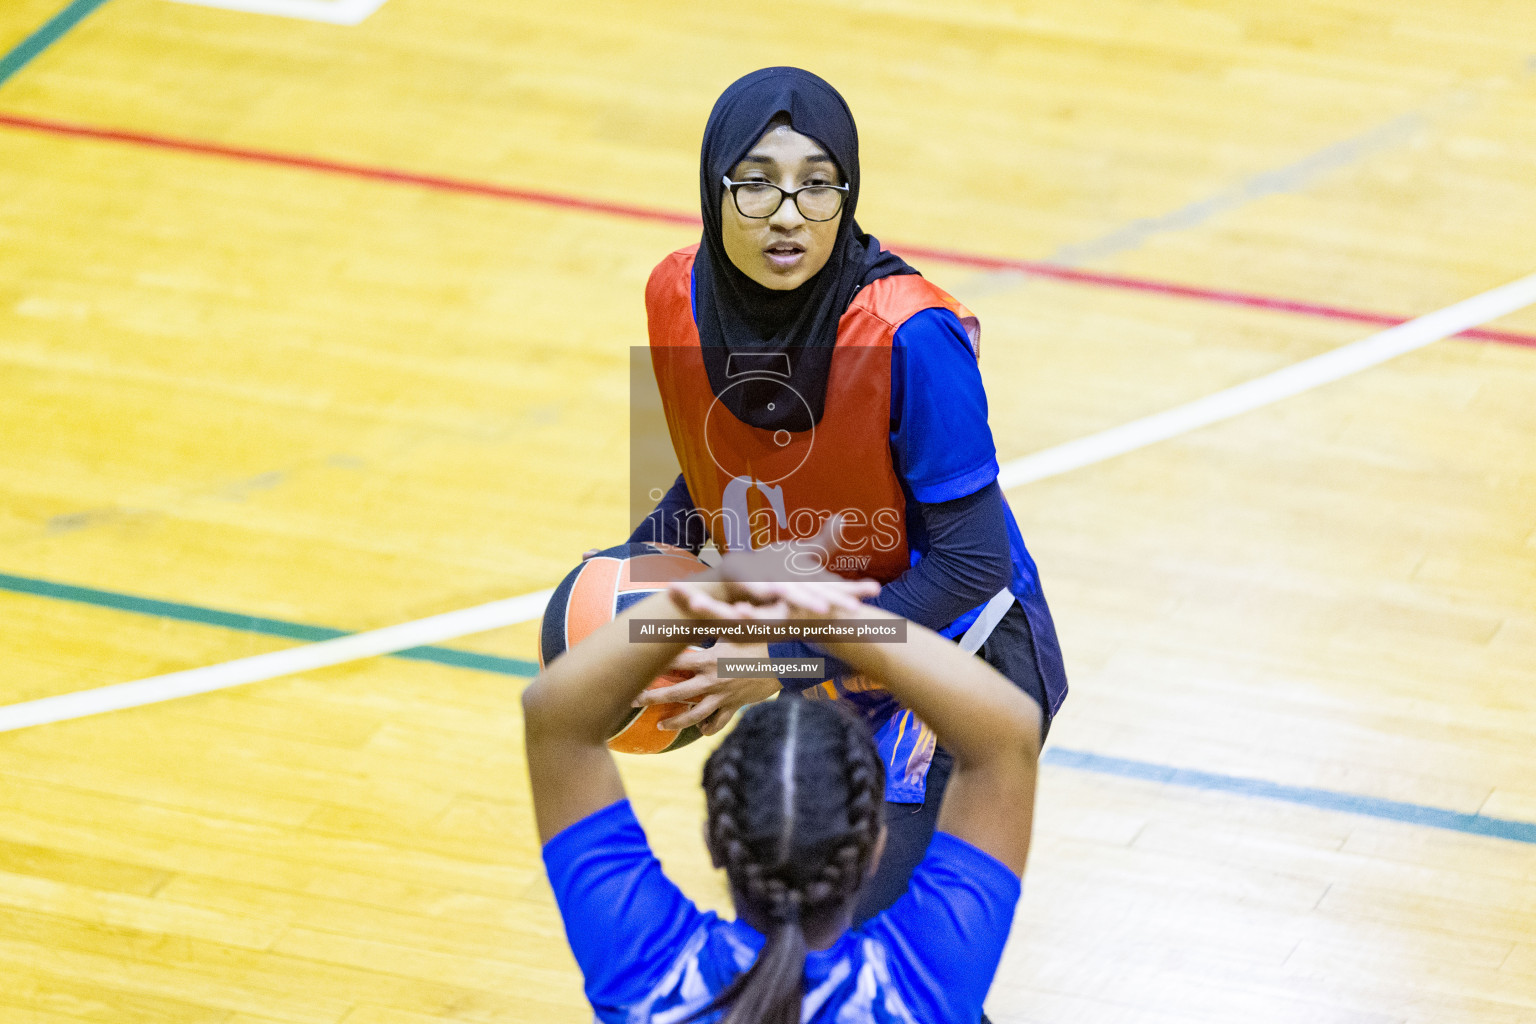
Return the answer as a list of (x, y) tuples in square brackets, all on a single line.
[(783, 277), (740, 311)]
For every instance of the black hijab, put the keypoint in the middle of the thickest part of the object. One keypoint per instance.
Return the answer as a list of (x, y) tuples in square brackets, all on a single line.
[(736, 315)]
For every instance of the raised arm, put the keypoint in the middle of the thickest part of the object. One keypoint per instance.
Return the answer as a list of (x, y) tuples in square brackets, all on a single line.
[(576, 703), (991, 727)]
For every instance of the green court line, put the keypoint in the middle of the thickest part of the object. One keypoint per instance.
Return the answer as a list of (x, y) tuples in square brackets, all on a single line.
[(51, 32), (1330, 800), (251, 623)]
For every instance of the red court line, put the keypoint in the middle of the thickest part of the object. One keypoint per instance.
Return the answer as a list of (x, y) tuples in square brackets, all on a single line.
[(1230, 298), (352, 170), (1033, 268)]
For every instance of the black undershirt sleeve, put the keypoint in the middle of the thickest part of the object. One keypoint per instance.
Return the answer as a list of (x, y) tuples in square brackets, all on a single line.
[(673, 521), (966, 563)]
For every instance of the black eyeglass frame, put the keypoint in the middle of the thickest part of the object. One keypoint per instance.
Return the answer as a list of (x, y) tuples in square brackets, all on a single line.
[(784, 193)]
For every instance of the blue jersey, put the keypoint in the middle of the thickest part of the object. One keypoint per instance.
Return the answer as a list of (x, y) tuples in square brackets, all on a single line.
[(940, 441), (941, 446), (649, 956)]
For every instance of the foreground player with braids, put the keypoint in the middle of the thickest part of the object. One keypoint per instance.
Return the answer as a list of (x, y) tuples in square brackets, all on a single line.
[(795, 798), (798, 861)]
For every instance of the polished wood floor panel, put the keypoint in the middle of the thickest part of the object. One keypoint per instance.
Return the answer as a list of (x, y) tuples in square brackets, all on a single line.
[(349, 402), (180, 347), (1106, 121), (21, 18)]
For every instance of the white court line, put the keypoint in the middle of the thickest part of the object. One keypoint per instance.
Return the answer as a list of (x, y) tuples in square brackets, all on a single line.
[(1292, 380), (332, 12), (1261, 391), (417, 633)]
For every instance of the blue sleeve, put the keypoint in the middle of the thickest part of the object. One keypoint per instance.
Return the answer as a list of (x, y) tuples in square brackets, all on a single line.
[(625, 920), (940, 440), (946, 933), (673, 521)]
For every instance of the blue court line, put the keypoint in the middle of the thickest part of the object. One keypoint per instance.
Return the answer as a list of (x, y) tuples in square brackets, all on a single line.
[(251, 623), (1323, 799), (53, 29)]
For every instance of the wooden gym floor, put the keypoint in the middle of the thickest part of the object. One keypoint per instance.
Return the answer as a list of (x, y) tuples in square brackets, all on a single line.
[(316, 325)]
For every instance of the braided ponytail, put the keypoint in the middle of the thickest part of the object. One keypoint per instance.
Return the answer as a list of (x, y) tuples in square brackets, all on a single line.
[(795, 795)]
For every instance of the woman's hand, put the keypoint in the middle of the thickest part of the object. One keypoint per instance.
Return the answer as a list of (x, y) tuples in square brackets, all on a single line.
[(799, 590), (715, 700)]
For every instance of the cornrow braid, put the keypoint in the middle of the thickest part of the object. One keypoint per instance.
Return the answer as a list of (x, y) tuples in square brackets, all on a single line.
[(864, 778), (795, 796)]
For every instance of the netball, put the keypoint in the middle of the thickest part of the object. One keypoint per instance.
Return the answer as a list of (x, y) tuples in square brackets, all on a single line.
[(593, 593)]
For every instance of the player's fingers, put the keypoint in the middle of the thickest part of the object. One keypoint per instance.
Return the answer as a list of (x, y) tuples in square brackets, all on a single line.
[(682, 692), (809, 598), (689, 597), (824, 598), (770, 595), (717, 721), (694, 715), (779, 609), (589, 553), (746, 593), (743, 602), (695, 600), (817, 597), (690, 660), (829, 539), (849, 597)]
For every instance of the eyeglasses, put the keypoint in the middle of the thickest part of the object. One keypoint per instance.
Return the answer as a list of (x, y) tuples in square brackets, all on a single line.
[(761, 200)]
